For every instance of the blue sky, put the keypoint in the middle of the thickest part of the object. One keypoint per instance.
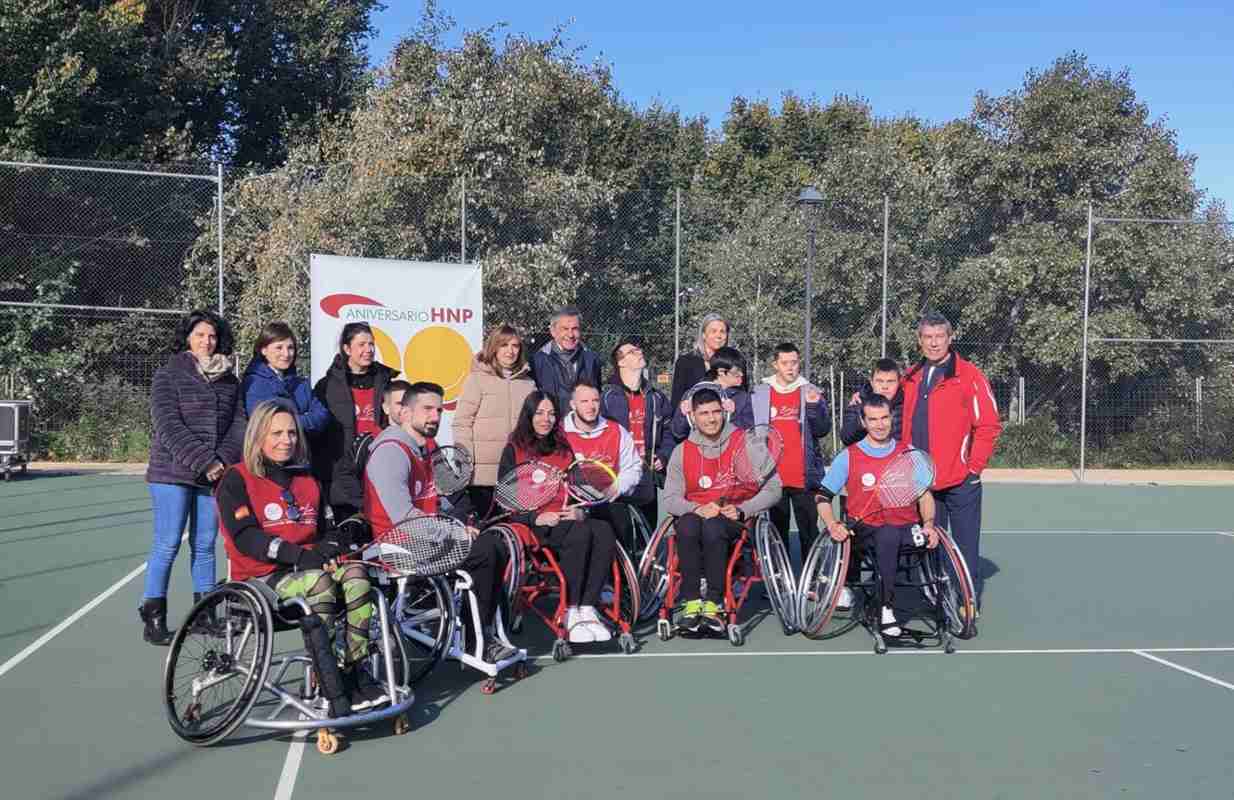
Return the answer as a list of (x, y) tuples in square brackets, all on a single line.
[(903, 58)]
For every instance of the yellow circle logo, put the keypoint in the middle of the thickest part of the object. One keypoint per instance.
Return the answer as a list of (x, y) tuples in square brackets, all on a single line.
[(387, 350), (440, 355)]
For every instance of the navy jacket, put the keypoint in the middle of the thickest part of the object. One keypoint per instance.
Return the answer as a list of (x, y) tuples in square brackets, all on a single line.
[(261, 383), (852, 430), (333, 460), (196, 422), (555, 380), (657, 433)]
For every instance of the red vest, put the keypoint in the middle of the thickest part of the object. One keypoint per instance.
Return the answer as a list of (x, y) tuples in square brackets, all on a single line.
[(709, 480), (605, 447), (864, 472), (784, 409), (638, 421), (420, 486), (266, 504), (365, 401), (560, 459)]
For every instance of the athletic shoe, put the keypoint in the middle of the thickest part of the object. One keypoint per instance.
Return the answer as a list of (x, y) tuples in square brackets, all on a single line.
[(691, 618), (846, 599), (365, 691), (496, 650), (713, 619), (576, 631), (599, 631), (889, 626)]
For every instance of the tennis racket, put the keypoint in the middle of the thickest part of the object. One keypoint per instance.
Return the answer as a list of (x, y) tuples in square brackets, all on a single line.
[(526, 488), (421, 546), (904, 480), (452, 468), (590, 482)]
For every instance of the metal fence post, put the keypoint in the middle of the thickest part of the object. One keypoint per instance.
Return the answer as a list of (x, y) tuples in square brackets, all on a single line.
[(1088, 266), (677, 282), (886, 252), (220, 268), (462, 214), (1023, 402)]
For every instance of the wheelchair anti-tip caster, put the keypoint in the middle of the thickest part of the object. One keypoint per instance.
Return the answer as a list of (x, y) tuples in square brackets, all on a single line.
[(401, 725), (489, 686), (664, 629), (561, 650), (628, 645), (327, 742), (736, 636)]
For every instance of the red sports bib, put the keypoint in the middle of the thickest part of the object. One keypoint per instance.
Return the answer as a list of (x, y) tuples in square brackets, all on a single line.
[(366, 412), (864, 472), (420, 485), (269, 509), (709, 480), (785, 412)]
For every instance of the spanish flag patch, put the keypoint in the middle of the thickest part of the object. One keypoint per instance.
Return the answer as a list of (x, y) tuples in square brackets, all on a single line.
[(242, 512)]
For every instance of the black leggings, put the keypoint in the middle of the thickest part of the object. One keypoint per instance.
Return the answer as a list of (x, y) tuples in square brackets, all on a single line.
[(703, 547), (585, 550), (486, 564)]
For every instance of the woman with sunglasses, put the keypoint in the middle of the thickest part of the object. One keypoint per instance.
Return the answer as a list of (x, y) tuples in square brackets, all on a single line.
[(273, 523)]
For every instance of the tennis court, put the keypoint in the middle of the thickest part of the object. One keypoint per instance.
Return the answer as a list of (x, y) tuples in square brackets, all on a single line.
[(1104, 667)]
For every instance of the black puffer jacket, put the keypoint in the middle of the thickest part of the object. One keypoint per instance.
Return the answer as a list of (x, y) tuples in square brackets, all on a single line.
[(196, 422), (333, 463), (853, 430)]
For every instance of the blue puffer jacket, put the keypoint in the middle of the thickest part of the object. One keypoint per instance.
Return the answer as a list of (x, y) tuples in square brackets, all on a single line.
[(262, 383)]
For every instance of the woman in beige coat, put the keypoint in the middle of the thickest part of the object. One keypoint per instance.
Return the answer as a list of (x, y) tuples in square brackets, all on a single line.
[(488, 408)]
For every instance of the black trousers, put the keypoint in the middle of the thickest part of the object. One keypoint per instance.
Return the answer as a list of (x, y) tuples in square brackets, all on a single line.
[(618, 515), (887, 540), (486, 564), (585, 550), (702, 551), (959, 509), (801, 501)]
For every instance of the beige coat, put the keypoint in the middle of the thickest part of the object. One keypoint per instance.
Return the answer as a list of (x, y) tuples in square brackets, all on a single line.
[(486, 414)]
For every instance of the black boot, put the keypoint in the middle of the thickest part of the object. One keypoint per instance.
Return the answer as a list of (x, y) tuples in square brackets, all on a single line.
[(153, 613)]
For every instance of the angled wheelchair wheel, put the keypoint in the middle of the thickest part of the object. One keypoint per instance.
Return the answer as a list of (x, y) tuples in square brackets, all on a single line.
[(516, 567), (777, 572), (945, 569), (642, 532), (217, 664), (653, 574), (822, 583), (629, 601), (425, 617)]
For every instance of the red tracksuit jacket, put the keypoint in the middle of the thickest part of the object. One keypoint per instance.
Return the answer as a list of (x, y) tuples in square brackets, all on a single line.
[(964, 423)]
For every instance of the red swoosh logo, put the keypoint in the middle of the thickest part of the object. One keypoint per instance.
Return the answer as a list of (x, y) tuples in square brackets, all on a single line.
[(333, 302)]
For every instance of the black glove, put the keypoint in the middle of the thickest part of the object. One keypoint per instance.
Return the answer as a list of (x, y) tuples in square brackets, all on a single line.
[(352, 533), (329, 550), (310, 559)]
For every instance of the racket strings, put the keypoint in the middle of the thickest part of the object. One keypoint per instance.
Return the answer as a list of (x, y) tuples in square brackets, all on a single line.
[(424, 546), (905, 479), (452, 469)]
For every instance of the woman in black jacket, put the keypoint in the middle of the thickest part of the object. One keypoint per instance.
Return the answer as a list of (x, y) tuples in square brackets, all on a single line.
[(198, 418), (352, 390), (690, 368)]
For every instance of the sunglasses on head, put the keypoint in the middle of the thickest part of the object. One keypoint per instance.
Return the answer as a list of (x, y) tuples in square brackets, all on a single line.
[(293, 510)]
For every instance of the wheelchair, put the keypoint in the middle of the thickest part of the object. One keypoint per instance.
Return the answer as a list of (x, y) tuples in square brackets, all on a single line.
[(222, 672), (939, 577), (535, 585), (758, 556)]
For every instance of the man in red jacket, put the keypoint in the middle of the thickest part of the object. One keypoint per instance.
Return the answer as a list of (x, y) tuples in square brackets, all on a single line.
[(949, 411)]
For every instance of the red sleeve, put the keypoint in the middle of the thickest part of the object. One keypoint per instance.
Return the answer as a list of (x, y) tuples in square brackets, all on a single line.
[(986, 424)]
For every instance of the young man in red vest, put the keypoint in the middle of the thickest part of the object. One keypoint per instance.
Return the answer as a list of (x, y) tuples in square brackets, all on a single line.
[(398, 483), (710, 510), (858, 469), (592, 436)]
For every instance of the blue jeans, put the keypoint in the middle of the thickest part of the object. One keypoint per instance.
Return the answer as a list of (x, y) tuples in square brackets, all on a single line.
[(173, 506)]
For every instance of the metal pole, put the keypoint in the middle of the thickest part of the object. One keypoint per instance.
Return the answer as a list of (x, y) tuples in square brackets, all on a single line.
[(1199, 405), (1022, 401), (809, 299), (220, 202), (462, 208), (886, 250), (835, 428), (1088, 266), (677, 283)]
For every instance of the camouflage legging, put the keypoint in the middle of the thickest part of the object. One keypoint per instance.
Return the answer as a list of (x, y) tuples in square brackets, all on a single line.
[(318, 588)]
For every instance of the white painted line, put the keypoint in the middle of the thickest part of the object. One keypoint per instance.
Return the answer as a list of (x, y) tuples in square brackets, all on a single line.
[(1108, 533), (1063, 651), (1224, 533), (78, 614), (1193, 673), (291, 765)]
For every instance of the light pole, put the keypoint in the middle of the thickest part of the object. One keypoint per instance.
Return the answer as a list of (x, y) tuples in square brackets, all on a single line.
[(810, 204)]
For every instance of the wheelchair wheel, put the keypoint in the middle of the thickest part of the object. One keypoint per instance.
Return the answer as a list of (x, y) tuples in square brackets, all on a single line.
[(215, 672), (642, 532), (777, 572), (944, 567), (516, 567), (653, 572), (629, 601), (424, 615), (822, 582)]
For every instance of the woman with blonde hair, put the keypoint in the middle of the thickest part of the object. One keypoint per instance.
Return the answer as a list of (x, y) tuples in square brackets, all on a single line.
[(489, 405), (272, 518), (713, 333)]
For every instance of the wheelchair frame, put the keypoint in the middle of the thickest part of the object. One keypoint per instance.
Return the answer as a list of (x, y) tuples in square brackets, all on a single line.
[(758, 545)]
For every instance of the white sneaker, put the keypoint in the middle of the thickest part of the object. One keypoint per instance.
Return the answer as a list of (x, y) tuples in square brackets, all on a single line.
[(599, 631), (577, 629), (890, 628), (846, 599)]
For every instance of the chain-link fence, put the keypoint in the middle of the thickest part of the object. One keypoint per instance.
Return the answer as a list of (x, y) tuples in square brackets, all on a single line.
[(95, 264)]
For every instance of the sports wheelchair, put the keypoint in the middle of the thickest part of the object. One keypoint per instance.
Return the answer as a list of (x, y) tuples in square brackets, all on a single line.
[(534, 583), (758, 556), (938, 577), (221, 671)]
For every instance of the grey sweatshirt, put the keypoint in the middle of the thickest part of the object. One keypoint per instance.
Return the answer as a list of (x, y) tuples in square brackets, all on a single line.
[(675, 501)]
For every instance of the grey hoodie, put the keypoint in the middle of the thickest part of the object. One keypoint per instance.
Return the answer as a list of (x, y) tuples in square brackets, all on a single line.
[(675, 501)]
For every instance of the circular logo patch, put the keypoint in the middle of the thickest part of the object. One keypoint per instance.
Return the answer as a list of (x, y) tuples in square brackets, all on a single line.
[(705, 481), (274, 512), (539, 476), (419, 487), (579, 456), (868, 479), (774, 412)]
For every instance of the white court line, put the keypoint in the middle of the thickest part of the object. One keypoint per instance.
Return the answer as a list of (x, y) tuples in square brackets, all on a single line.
[(1108, 533), (1193, 673), (1062, 651), (291, 765)]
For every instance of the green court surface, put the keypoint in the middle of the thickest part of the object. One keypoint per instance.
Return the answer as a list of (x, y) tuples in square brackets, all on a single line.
[(1104, 668)]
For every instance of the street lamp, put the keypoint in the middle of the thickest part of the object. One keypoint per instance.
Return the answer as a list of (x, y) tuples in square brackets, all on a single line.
[(810, 205)]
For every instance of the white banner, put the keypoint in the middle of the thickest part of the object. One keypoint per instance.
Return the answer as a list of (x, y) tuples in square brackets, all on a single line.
[(427, 318)]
